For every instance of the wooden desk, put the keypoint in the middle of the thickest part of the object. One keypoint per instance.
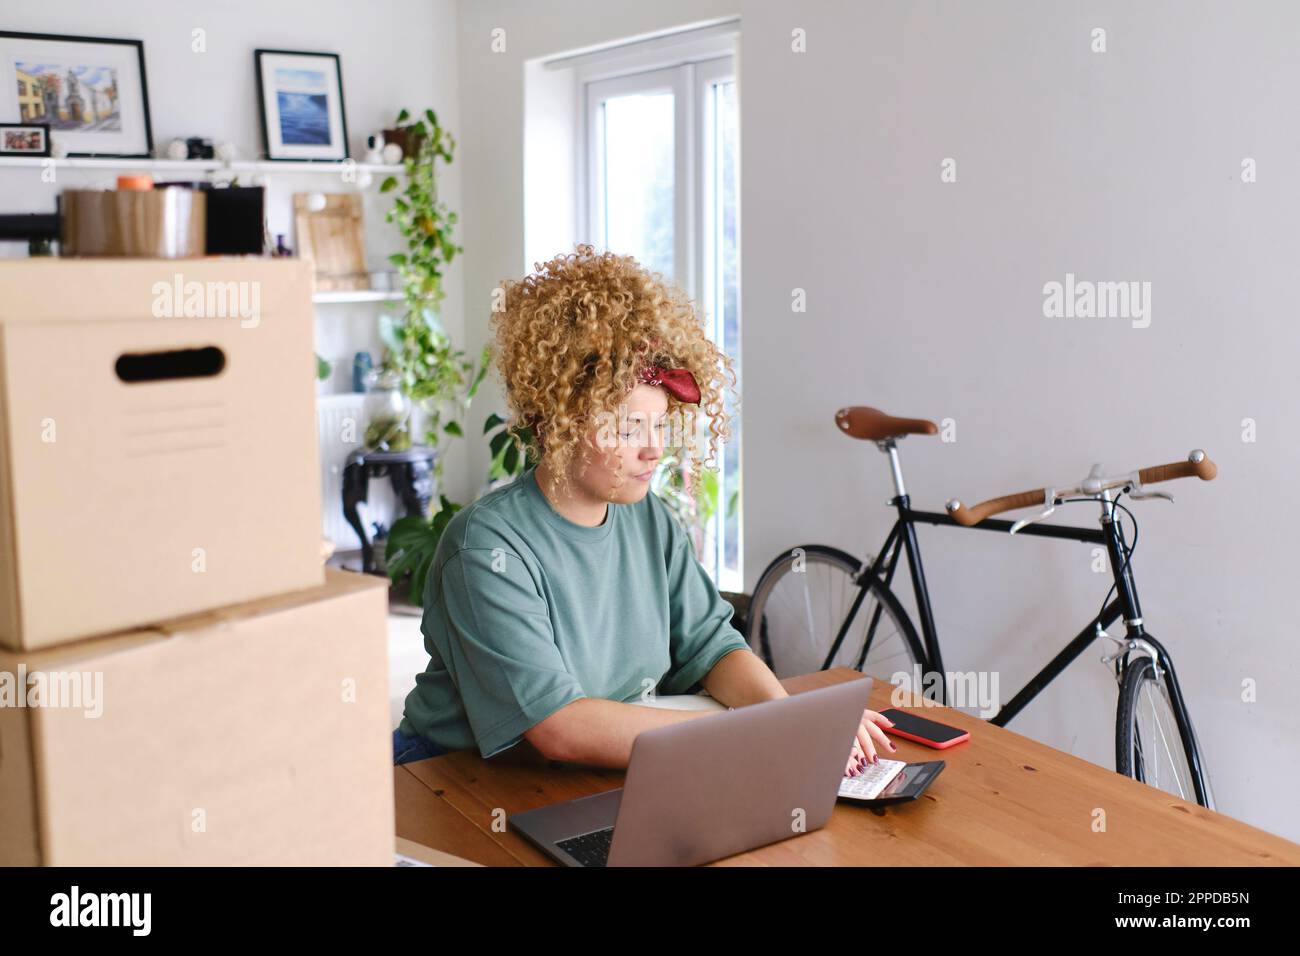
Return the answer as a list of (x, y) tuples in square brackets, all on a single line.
[(1002, 799)]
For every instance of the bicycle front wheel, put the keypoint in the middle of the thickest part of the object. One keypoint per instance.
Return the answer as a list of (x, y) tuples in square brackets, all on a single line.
[(1148, 745), (802, 600)]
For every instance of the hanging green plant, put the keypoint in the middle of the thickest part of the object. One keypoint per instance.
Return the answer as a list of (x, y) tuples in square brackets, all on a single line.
[(438, 377)]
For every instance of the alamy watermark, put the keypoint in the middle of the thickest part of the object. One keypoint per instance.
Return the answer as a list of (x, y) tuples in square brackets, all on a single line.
[(624, 429), (969, 689), (67, 690), (208, 300), (1084, 299), (74, 908)]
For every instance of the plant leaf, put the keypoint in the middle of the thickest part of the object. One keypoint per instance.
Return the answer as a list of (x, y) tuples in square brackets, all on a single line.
[(420, 580), (479, 375), (389, 334)]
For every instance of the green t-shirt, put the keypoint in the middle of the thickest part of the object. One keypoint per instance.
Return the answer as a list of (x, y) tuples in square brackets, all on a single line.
[(526, 611)]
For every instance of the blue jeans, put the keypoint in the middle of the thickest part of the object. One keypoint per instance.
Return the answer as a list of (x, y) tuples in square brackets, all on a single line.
[(407, 749)]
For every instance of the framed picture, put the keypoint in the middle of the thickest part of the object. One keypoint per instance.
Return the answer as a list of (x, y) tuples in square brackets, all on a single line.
[(24, 139), (301, 98), (90, 91)]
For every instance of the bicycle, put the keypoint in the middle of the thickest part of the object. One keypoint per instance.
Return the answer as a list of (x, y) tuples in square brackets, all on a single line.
[(1150, 707)]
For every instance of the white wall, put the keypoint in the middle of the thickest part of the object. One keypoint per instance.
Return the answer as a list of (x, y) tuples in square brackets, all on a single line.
[(926, 299), (392, 52)]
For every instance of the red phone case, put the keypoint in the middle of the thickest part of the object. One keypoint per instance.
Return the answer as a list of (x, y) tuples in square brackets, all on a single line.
[(926, 742)]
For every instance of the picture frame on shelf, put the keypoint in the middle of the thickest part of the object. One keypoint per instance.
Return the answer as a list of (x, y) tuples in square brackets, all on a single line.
[(24, 139), (300, 99), (92, 92)]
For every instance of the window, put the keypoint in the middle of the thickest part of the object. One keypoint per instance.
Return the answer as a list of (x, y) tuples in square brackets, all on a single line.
[(660, 181), (635, 156)]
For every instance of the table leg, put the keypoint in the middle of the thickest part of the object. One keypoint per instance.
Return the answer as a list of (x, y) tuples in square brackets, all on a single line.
[(356, 482)]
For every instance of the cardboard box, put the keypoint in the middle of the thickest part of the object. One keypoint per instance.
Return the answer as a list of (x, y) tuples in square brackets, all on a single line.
[(253, 735), (158, 451)]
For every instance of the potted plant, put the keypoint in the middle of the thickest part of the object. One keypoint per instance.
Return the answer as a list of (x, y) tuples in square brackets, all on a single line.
[(693, 505)]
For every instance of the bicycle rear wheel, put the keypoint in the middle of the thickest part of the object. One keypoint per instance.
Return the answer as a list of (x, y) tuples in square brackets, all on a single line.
[(1148, 745), (802, 600)]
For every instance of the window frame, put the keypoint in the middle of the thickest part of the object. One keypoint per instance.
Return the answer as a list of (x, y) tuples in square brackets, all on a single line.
[(706, 75)]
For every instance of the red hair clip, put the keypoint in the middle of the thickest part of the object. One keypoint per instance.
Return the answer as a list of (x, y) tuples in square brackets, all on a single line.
[(678, 382)]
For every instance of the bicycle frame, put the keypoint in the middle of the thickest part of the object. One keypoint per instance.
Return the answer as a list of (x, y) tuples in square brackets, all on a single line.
[(902, 540)]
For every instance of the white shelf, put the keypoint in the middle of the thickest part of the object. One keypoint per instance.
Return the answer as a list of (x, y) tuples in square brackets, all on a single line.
[(199, 165), (359, 295), (270, 166)]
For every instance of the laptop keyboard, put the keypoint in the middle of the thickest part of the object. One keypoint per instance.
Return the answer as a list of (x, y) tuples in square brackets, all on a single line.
[(590, 849)]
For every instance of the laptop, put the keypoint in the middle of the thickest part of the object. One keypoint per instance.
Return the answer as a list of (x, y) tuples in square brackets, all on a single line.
[(705, 789)]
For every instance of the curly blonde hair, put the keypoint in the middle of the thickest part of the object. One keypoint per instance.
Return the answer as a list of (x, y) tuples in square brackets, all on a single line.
[(571, 338)]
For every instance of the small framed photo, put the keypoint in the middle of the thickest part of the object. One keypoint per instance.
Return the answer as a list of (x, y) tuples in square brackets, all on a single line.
[(24, 139), (90, 91), (301, 98)]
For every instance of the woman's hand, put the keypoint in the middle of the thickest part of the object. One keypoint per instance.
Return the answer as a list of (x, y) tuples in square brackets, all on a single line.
[(864, 744)]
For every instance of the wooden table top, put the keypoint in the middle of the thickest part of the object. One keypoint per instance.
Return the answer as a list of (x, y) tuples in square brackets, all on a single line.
[(1002, 800)]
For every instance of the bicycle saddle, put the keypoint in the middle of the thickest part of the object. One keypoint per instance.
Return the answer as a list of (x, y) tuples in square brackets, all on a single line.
[(871, 424)]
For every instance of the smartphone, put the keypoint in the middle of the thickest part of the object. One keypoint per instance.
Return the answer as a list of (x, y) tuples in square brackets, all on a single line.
[(928, 732)]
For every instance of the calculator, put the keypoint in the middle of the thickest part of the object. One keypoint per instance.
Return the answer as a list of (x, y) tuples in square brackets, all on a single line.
[(889, 781)]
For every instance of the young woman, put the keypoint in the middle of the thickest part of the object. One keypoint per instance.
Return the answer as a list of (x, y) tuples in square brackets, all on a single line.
[(556, 602)]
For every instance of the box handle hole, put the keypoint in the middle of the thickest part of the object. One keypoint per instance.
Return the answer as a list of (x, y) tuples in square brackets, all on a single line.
[(173, 363)]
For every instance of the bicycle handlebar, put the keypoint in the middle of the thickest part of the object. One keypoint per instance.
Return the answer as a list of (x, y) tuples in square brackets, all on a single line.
[(1203, 469), (986, 509), (1198, 464)]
